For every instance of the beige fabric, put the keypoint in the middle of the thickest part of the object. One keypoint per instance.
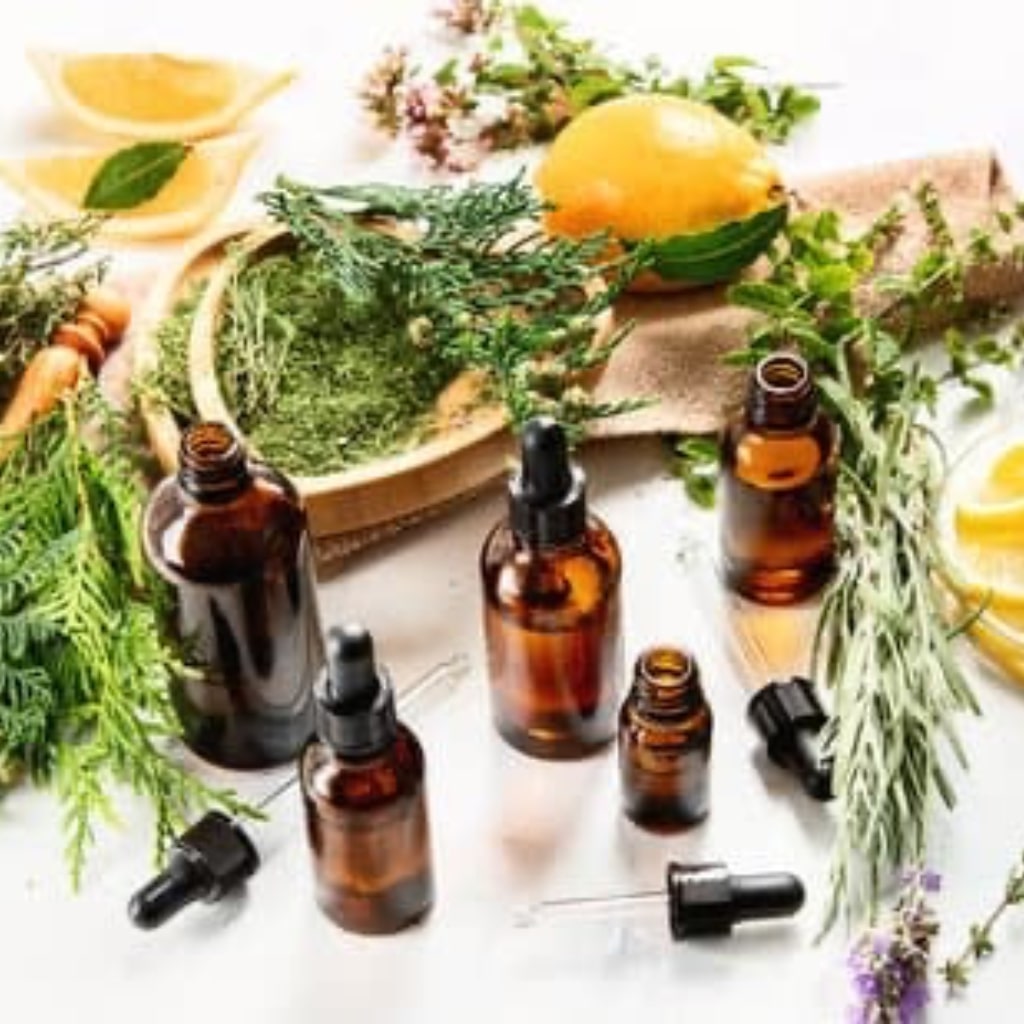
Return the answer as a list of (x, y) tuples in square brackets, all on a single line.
[(674, 354)]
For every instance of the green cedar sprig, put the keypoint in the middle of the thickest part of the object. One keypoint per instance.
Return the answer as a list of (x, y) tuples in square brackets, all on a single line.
[(473, 283), (84, 667)]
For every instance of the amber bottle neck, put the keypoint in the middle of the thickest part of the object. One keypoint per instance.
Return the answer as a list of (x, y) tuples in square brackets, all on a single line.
[(212, 465), (666, 682), (781, 393)]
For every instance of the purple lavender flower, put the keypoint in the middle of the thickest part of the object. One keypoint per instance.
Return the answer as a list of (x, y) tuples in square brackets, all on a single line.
[(889, 966)]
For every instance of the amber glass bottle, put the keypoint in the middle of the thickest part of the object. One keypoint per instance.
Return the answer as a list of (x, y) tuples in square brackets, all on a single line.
[(363, 790), (230, 535), (779, 459), (550, 575), (665, 741)]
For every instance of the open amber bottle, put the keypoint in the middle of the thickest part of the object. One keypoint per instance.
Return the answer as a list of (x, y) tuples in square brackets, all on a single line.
[(779, 462), (665, 741), (550, 574), (365, 799), (230, 534)]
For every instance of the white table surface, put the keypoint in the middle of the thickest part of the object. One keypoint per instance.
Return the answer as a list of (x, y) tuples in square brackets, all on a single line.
[(914, 78)]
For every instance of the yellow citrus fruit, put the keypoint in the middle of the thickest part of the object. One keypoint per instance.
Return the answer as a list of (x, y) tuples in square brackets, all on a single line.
[(981, 533), (57, 183), (155, 95), (657, 167)]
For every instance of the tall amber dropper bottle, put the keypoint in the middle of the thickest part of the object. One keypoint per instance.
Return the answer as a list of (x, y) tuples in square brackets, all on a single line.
[(779, 461), (230, 534), (550, 575)]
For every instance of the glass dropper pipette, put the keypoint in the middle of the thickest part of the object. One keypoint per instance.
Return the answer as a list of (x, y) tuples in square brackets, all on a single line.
[(701, 899), (216, 855)]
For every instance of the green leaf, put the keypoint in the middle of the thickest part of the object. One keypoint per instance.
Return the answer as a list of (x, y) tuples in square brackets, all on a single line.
[(134, 175), (695, 462), (712, 256)]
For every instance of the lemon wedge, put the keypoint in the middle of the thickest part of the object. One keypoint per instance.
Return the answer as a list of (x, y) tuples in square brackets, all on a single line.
[(155, 95), (56, 184)]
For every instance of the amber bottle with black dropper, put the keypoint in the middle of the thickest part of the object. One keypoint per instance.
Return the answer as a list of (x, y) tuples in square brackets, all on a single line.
[(230, 534), (550, 575), (364, 794), (665, 742), (779, 461)]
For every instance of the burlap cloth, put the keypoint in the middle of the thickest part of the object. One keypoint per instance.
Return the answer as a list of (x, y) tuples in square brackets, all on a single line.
[(675, 352), (674, 355)]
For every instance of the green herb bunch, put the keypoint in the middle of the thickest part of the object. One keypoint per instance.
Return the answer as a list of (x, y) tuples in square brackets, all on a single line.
[(475, 281), (43, 277), (884, 645), (84, 669), (528, 78)]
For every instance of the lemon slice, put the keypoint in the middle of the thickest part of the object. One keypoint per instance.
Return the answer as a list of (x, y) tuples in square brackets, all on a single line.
[(56, 184), (980, 526), (155, 95)]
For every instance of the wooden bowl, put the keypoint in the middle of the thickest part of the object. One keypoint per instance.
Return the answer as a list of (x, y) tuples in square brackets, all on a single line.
[(471, 448)]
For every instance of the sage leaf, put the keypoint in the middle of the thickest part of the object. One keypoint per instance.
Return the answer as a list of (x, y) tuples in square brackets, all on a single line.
[(133, 175)]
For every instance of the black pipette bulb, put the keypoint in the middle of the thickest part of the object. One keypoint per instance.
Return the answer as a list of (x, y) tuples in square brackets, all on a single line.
[(209, 860), (789, 717), (547, 497), (355, 703), (705, 899)]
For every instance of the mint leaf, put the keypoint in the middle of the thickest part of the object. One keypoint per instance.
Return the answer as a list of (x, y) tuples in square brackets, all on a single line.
[(133, 175)]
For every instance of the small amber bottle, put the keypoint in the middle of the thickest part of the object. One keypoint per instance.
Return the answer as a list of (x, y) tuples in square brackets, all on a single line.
[(779, 461), (364, 796), (550, 575), (665, 742), (230, 534)]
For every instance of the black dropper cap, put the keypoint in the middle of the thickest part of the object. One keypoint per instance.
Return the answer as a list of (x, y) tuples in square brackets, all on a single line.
[(209, 860), (705, 899), (355, 703), (547, 497), (789, 717)]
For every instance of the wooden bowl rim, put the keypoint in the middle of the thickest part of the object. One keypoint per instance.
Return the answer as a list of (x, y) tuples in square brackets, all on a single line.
[(162, 429)]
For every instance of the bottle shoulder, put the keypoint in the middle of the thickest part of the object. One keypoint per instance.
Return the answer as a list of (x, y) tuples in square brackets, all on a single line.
[(780, 458), (219, 541), (572, 577), (343, 784)]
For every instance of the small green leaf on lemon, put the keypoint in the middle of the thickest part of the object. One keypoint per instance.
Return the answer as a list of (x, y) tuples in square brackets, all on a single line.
[(707, 257), (134, 175)]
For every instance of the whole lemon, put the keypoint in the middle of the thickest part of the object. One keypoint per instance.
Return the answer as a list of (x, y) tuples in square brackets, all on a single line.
[(664, 168)]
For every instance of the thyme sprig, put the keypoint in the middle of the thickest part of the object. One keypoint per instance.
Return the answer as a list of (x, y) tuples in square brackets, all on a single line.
[(84, 669), (527, 78), (474, 279), (883, 642), (957, 971)]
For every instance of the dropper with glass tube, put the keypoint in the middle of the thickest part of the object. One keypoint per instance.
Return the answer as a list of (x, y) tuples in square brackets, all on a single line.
[(216, 855)]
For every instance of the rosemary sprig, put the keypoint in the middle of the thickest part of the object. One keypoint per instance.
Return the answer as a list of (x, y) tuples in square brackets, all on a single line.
[(84, 670), (883, 644), (957, 971), (527, 78)]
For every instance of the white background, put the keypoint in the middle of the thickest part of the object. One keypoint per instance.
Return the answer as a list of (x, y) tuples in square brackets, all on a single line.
[(912, 79)]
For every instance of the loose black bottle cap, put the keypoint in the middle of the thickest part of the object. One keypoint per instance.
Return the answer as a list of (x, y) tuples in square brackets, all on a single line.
[(705, 899), (789, 717), (209, 860), (547, 496), (355, 703)]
